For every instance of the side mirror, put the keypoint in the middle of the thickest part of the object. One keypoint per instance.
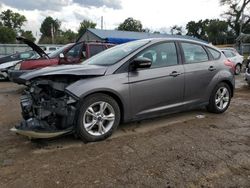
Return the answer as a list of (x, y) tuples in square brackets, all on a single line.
[(61, 56), (141, 63)]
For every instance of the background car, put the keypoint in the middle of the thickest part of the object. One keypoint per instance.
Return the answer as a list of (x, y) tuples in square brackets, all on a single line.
[(235, 57), (129, 82), (72, 53), (19, 56)]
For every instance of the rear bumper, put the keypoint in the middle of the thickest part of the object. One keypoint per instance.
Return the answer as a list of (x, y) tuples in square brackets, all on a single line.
[(15, 74)]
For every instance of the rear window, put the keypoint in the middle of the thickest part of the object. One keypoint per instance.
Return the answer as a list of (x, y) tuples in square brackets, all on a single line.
[(228, 53), (214, 53)]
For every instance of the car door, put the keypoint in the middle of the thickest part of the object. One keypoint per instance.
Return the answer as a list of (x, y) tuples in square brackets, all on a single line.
[(73, 55), (199, 71), (160, 87)]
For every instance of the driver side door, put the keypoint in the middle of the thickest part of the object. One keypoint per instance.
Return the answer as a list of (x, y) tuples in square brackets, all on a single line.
[(73, 55), (160, 88)]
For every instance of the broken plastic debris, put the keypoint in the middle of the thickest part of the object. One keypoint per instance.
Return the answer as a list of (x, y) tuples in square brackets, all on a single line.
[(200, 116)]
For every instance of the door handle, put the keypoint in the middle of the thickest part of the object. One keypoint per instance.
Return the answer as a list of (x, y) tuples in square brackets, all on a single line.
[(211, 68), (174, 74)]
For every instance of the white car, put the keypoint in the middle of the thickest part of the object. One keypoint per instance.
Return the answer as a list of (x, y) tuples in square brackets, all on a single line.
[(234, 57), (4, 67)]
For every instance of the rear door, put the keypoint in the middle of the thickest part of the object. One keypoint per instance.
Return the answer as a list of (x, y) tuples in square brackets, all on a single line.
[(159, 88), (199, 71)]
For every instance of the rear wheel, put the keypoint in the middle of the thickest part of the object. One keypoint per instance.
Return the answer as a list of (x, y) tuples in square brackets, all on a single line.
[(220, 99), (99, 115), (237, 69)]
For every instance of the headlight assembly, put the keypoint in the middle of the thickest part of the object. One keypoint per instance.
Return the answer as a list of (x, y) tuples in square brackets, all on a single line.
[(17, 67)]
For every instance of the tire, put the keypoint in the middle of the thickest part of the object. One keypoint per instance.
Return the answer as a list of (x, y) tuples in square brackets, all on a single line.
[(94, 124), (237, 69), (214, 105)]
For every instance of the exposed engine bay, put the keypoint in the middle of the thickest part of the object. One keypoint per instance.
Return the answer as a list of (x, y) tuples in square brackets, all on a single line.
[(47, 109)]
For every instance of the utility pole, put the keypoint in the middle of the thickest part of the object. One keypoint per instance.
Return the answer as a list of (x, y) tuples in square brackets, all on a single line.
[(240, 34), (102, 22), (52, 33)]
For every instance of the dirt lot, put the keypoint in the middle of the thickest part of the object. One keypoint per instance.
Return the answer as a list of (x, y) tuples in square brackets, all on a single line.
[(191, 149)]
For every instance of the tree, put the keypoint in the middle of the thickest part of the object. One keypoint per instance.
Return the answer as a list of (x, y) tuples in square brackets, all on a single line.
[(7, 35), (217, 31), (131, 24), (65, 37), (12, 20), (84, 25), (49, 29), (176, 30), (197, 29), (28, 35), (238, 14)]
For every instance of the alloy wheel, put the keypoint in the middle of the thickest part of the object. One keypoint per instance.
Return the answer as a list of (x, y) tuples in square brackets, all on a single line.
[(222, 98), (99, 118)]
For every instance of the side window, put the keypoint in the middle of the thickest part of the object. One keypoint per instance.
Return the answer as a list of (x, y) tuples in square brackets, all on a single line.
[(194, 53), (74, 52), (25, 55), (95, 49), (161, 55), (228, 54), (52, 49), (215, 53), (233, 54)]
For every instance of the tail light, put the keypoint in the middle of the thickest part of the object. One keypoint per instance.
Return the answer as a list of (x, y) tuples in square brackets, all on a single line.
[(229, 64)]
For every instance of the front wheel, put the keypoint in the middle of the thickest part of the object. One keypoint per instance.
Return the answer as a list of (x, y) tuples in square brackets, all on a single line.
[(220, 99), (99, 115)]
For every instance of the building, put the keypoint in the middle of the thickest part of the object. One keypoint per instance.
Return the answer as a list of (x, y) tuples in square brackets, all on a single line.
[(118, 37)]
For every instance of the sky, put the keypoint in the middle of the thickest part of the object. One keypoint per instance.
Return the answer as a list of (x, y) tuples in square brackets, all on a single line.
[(156, 15)]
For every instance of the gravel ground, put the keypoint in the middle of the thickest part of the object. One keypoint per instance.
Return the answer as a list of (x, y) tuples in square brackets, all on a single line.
[(190, 149)]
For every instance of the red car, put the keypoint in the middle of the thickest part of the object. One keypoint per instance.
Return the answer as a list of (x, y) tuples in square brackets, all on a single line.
[(72, 53)]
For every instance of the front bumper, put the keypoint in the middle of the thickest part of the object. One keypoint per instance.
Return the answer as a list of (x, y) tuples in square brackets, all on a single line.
[(48, 118), (14, 75)]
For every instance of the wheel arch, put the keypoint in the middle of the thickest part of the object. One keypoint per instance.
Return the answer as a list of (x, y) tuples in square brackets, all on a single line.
[(229, 84)]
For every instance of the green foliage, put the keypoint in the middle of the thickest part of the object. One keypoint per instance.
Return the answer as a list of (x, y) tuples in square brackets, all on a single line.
[(66, 37), (215, 31), (7, 35), (12, 20), (28, 35), (197, 29), (84, 25), (49, 26), (131, 24)]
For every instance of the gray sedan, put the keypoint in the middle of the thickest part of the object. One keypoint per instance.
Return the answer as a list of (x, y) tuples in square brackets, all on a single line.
[(129, 82)]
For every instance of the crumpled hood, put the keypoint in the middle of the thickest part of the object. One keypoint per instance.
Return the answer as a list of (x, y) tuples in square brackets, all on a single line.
[(77, 70)]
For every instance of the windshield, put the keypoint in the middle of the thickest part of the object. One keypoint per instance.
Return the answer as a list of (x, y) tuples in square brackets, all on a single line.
[(114, 54), (60, 50)]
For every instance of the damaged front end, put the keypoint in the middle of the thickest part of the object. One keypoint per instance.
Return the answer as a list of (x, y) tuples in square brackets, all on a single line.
[(48, 111)]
